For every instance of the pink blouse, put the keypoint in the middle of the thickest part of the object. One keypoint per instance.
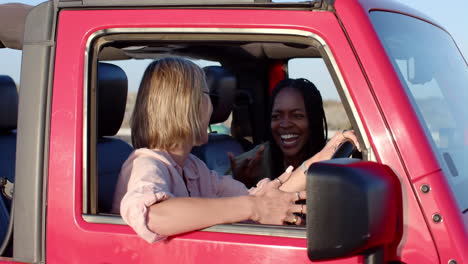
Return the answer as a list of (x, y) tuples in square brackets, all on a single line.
[(151, 176)]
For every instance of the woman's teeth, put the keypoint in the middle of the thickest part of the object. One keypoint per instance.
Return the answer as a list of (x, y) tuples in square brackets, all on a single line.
[(288, 136), (289, 139)]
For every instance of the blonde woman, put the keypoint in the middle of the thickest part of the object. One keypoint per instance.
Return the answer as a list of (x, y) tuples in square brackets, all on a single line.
[(162, 185)]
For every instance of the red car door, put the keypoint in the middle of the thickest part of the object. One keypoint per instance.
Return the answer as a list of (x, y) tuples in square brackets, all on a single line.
[(74, 235)]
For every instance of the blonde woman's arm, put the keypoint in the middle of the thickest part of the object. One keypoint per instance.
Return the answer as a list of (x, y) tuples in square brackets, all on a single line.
[(267, 206)]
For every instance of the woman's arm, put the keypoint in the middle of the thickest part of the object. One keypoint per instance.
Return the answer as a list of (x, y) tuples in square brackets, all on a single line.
[(180, 215), (297, 181)]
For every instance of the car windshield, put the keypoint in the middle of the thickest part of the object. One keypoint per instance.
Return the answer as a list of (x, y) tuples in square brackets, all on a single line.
[(435, 76)]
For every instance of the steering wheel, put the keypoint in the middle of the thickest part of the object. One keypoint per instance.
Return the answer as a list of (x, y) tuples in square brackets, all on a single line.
[(344, 150)]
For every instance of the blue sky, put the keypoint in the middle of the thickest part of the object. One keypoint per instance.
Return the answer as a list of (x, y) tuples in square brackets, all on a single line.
[(452, 17)]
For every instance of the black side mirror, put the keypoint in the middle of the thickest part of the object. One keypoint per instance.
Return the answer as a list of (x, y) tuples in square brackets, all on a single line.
[(352, 208)]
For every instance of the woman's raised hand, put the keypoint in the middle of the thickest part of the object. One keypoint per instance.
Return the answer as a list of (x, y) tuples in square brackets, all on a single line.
[(275, 207), (244, 171)]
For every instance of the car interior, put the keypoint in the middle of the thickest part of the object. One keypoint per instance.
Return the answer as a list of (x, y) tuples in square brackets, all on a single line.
[(240, 74), (8, 125)]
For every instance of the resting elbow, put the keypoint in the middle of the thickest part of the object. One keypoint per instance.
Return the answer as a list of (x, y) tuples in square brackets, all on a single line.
[(158, 223)]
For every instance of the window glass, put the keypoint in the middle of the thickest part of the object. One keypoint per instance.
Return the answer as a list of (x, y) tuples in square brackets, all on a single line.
[(435, 75)]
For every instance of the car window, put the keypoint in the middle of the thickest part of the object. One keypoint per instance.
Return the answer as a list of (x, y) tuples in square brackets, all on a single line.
[(10, 63), (243, 90)]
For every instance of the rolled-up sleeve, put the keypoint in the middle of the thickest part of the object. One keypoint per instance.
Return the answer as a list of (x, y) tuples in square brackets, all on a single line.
[(147, 185)]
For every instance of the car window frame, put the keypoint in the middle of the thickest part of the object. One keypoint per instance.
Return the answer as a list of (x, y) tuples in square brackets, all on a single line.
[(97, 40)]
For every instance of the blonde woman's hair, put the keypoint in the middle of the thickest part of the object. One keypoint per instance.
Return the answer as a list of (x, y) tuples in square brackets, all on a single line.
[(167, 109)]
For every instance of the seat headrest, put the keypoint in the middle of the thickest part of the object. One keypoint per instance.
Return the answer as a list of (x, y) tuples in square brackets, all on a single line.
[(222, 85), (241, 125), (8, 103), (112, 88)]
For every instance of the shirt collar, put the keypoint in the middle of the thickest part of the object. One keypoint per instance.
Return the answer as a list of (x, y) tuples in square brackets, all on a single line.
[(190, 166)]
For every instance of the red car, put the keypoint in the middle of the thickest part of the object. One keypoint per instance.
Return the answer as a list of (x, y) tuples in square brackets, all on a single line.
[(400, 77)]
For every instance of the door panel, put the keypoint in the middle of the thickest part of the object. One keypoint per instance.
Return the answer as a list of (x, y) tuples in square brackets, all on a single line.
[(70, 237)]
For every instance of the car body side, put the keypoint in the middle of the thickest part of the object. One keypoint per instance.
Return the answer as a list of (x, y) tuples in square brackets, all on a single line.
[(52, 136)]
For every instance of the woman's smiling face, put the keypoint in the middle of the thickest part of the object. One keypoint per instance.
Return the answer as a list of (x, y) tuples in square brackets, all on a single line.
[(289, 123)]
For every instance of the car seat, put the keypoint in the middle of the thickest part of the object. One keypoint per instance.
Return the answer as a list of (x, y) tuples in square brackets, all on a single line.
[(112, 88), (8, 123), (222, 86)]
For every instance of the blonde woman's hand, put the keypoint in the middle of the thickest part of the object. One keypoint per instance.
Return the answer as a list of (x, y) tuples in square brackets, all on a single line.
[(275, 207)]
